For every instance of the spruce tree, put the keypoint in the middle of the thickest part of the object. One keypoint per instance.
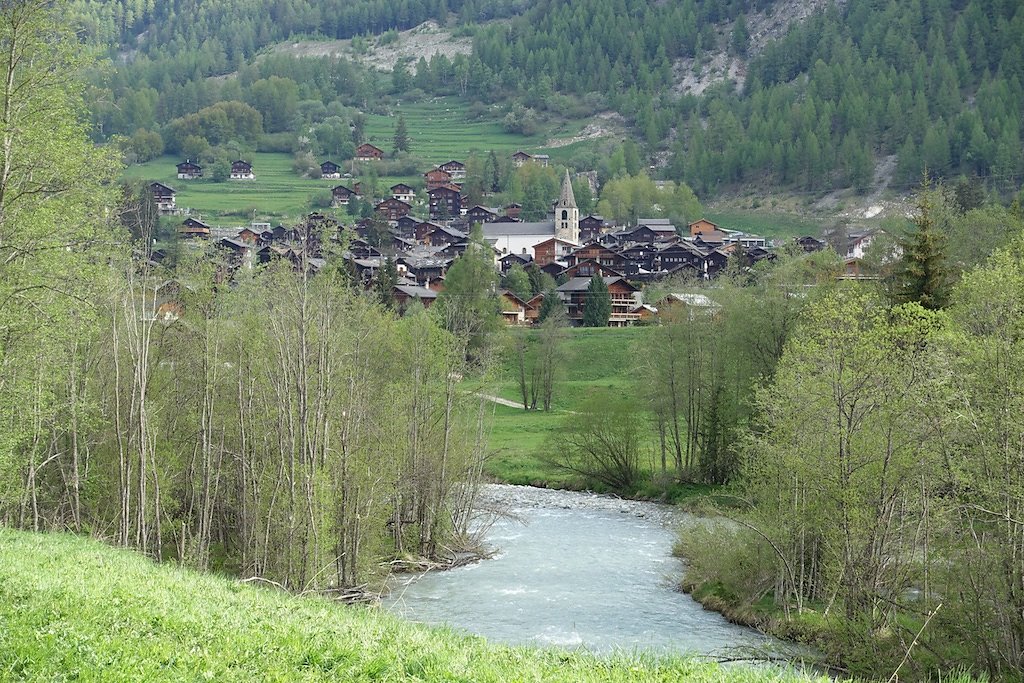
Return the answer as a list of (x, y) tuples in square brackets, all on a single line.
[(597, 308), (551, 303), (401, 139), (923, 275)]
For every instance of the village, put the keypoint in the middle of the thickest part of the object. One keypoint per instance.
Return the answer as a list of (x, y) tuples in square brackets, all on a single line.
[(569, 248)]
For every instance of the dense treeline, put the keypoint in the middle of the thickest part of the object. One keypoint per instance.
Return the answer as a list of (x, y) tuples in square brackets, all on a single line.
[(286, 427), (872, 441)]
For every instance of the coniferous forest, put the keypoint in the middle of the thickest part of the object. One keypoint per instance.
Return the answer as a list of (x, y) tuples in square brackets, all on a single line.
[(934, 84)]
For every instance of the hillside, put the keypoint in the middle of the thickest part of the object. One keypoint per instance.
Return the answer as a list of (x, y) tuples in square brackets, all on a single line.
[(73, 608), (802, 96)]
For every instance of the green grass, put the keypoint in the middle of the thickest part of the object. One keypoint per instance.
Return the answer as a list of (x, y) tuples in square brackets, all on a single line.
[(597, 361), (276, 194), (74, 609), (766, 222), (440, 129)]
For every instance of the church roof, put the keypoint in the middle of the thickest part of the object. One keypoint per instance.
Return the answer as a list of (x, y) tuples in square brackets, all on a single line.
[(546, 228), (568, 199)]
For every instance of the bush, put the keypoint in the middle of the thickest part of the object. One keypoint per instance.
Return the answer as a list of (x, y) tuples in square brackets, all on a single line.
[(730, 561)]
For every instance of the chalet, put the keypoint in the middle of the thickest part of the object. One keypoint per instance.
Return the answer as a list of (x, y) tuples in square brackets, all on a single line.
[(645, 234), (509, 260), (423, 229), (423, 269), (810, 244), (552, 249), (368, 152), (640, 256), (442, 236), (533, 308), (436, 178), (521, 157), (481, 214), (329, 169), (715, 262), (513, 308), (163, 195), (189, 170), (445, 202), (239, 253), (340, 195), (250, 236), (686, 305), (403, 193), (591, 227), (406, 225), (513, 210), (392, 208), (589, 268), (192, 228), (241, 170), (702, 226), (455, 169), (712, 239), (623, 296), (854, 268), (672, 256), (406, 295), (599, 253)]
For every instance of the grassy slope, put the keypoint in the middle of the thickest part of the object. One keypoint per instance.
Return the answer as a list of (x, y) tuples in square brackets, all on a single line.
[(72, 608), (597, 360)]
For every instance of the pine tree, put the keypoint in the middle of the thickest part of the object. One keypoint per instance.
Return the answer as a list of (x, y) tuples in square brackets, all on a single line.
[(401, 140), (551, 303), (597, 308), (923, 276), (387, 278)]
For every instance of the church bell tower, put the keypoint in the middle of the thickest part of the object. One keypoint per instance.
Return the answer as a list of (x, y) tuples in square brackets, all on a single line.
[(567, 214)]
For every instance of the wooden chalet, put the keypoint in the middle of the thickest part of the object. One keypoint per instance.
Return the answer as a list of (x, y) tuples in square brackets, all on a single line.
[(702, 226), (600, 253), (552, 250), (406, 226), (671, 257), (368, 152), (423, 229), (445, 202), (810, 244), (482, 214), (509, 260), (163, 196), (436, 178), (407, 295), (513, 308), (513, 210), (340, 195), (242, 170), (393, 209), (442, 236), (521, 157), (533, 308), (589, 268), (623, 296), (403, 193), (329, 169), (455, 169), (193, 228), (189, 170), (591, 227), (250, 236)]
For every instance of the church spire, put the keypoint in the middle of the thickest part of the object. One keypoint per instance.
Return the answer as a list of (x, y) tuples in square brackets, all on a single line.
[(567, 214), (568, 199)]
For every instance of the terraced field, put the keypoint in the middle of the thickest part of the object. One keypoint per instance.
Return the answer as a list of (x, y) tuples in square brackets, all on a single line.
[(442, 129)]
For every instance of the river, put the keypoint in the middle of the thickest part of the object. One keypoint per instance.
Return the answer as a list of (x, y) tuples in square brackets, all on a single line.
[(574, 570)]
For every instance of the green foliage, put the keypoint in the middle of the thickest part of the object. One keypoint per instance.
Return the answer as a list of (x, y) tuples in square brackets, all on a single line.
[(401, 140), (121, 618), (518, 282), (597, 308), (550, 304), (469, 305), (627, 199), (923, 274)]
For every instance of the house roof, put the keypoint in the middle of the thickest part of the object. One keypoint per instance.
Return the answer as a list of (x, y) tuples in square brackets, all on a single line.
[(545, 228), (581, 284), (416, 292)]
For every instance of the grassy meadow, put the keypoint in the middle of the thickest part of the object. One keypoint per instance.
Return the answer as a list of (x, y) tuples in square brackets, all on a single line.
[(72, 608), (597, 361)]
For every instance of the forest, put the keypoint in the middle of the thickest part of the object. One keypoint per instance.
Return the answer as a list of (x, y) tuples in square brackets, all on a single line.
[(933, 84), (287, 427)]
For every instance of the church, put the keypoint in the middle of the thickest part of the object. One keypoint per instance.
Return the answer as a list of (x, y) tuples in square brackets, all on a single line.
[(520, 238)]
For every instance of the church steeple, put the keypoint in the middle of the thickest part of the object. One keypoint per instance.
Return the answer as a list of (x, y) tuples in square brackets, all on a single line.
[(567, 214)]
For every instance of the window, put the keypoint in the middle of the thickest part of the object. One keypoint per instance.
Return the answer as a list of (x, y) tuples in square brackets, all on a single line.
[(565, 215)]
